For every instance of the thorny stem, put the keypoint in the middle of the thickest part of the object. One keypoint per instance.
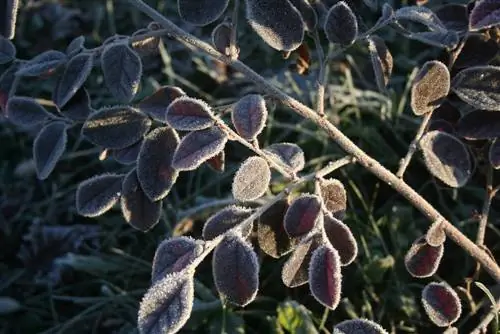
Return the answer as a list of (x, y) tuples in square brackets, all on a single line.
[(343, 141), (413, 146)]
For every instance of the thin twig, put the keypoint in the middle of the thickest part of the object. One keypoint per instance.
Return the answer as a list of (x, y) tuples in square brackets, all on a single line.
[(338, 137), (483, 325), (483, 222)]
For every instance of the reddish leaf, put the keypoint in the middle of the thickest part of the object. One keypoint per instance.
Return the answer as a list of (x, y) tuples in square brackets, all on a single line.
[(189, 114), (441, 303), (422, 260), (325, 279), (273, 239), (295, 272), (341, 238), (485, 14), (156, 104), (341, 25), (226, 219), (303, 215)]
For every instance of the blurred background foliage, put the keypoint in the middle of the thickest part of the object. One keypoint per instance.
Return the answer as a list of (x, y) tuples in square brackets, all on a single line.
[(63, 273)]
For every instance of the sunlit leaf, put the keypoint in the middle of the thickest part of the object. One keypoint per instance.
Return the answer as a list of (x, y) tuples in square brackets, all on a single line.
[(7, 51), (251, 180), (341, 25), (98, 194), (48, 147), (167, 305), (249, 116), (303, 215), (154, 166), (494, 154), (421, 15), (358, 326), (446, 158), (435, 235), (236, 270), (8, 18), (333, 196), (226, 219), (75, 74), (45, 63), (479, 124), (277, 22), (174, 255), (341, 238), (78, 107), (137, 209), (485, 14), (325, 278), (430, 87), (25, 111), (443, 39), (441, 303), (422, 259), (273, 239), (382, 61), (476, 86), (189, 114), (127, 155), (201, 12), (156, 104), (122, 69), (295, 272), (289, 154)]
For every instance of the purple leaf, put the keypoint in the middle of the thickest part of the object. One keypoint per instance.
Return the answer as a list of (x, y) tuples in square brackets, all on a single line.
[(75, 74), (341, 238), (201, 12), (78, 108), (325, 279), (271, 234), (189, 114), (48, 147), (494, 154), (45, 63), (358, 326), (249, 116), (7, 51), (341, 26), (479, 124), (127, 155), (485, 14), (221, 38), (289, 154), (422, 260), (98, 194), (302, 215), (295, 272), (307, 12), (156, 104), (441, 303), (476, 86), (25, 111), (333, 196), (251, 180), (226, 219)]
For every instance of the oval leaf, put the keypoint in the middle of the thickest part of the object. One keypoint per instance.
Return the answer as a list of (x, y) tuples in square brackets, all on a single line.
[(289, 154), (25, 111), (174, 255), (485, 14), (307, 12), (197, 147), (98, 194), (122, 69), (446, 158), (116, 127), (325, 279), (435, 235), (479, 124), (236, 270), (7, 50), (75, 74), (430, 87), (44, 63), (78, 107), (167, 305), (277, 22), (358, 326), (225, 220), (189, 114), (382, 61), (251, 180), (249, 116), (221, 38), (295, 272), (8, 18), (154, 166), (476, 86), (302, 215), (156, 105), (48, 147), (271, 234), (341, 238), (494, 154), (333, 196), (137, 209), (127, 155), (422, 260), (201, 12), (441, 303), (341, 26)]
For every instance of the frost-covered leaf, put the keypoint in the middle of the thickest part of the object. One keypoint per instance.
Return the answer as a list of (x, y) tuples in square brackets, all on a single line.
[(249, 116), (341, 25), (154, 166), (441, 303), (273, 239), (78, 107), (236, 270), (430, 87), (8, 81), (358, 326), (174, 255), (382, 61), (421, 15), (479, 124), (167, 305), (116, 127), (453, 16), (75, 46), (75, 74), (8, 18), (189, 114), (226, 219), (137, 209), (325, 278), (494, 154), (277, 22), (251, 180), (478, 50), (422, 259), (201, 12), (303, 215), (485, 14), (446, 158), (25, 111), (7, 51), (98, 194), (443, 39), (44, 63), (333, 196), (295, 271), (122, 69), (478, 87), (221, 38), (341, 238), (435, 235), (218, 162), (48, 147), (127, 155), (307, 12), (289, 154), (156, 104)]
